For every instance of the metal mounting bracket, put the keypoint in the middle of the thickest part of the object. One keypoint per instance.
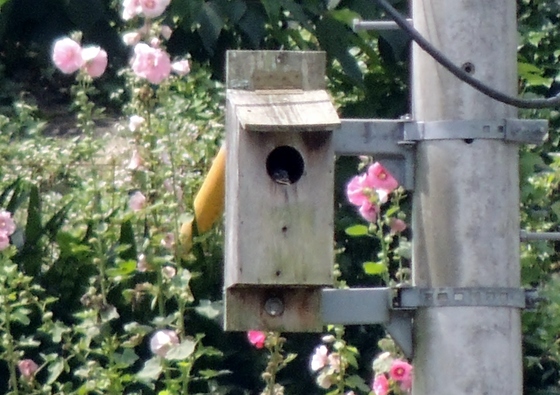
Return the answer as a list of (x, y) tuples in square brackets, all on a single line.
[(413, 297), (392, 142), (527, 131), (395, 307)]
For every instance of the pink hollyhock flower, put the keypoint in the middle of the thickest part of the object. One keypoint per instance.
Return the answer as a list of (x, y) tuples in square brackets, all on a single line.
[(334, 361), (137, 201), (27, 368), (320, 358), (131, 38), (136, 161), (135, 122), (401, 371), (95, 61), (169, 271), (397, 225), (406, 385), (155, 42), (162, 341), (380, 178), (369, 211), (166, 32), (358, 190), (67, 55), (142, 263), (131, 8), (7, 224), (369, 189), (380, 385), (360, 193), (153, 8), (324, 380), (151, 63), (168, 241), (4, 241), (181, 67), (256, 338)]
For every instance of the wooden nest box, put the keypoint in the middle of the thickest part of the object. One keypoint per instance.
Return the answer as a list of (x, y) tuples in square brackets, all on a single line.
[(279, 190)]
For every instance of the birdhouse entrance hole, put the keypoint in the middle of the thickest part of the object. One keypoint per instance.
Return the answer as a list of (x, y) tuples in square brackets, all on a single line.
[(285, 165)]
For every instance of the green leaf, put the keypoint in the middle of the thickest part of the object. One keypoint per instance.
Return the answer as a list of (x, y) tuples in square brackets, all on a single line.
[(272, 8), (33, 229), (210, 373), (332, 4), (234, 9), (355, 381), (136, 329), (123, 269), (253, 25), (181, 351), (356, 230), (54, 224), (109, 313), (126, 359), (151, 371), (14, 186), (374, 268), (211, 24), (533, 75), (391, 210), (57, 331), (334, 37), (345, 16), (55, 369), (127, 238), (20, 315), (210, 310)]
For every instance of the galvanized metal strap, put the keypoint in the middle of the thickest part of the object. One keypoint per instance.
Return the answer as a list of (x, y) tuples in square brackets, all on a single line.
[(415, 297), (515, 130)]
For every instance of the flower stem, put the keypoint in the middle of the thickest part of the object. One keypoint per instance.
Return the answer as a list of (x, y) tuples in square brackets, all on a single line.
[(9, 345)]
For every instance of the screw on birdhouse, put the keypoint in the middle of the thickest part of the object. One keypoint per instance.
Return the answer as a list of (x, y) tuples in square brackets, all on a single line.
[(274, 306), (285, 165)]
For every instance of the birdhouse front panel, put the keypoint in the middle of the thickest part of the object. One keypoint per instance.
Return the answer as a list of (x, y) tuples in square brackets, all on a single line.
[(283, 223)]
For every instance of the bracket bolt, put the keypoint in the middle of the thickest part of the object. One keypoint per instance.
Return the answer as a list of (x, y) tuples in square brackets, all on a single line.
[(274, 307)]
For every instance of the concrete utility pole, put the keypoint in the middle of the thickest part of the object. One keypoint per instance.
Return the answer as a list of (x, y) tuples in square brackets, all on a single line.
[(466, 203)]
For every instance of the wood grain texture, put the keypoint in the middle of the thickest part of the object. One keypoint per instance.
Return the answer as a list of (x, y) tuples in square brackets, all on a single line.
[(286, 109), (276, 233), (245, 309), (279, 231), (254, 70)]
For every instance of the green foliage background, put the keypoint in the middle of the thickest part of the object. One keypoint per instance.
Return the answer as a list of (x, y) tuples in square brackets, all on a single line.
[(367, 77)]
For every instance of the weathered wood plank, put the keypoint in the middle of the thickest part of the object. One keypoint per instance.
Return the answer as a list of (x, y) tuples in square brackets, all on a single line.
[(279, 189), (302, 306), (252, 70), (274, 110), (277, 233)]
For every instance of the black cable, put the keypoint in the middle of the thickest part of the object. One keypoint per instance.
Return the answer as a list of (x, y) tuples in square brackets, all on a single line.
[(401, 21)]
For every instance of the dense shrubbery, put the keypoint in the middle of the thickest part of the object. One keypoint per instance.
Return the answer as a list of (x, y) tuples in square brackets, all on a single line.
[(94, 292)]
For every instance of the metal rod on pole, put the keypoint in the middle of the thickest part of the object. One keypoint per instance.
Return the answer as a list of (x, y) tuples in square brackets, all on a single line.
[(466, 203), (358, 24), (529, 236)]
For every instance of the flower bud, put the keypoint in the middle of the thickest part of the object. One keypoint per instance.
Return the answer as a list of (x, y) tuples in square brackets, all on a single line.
[(27, 368)]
